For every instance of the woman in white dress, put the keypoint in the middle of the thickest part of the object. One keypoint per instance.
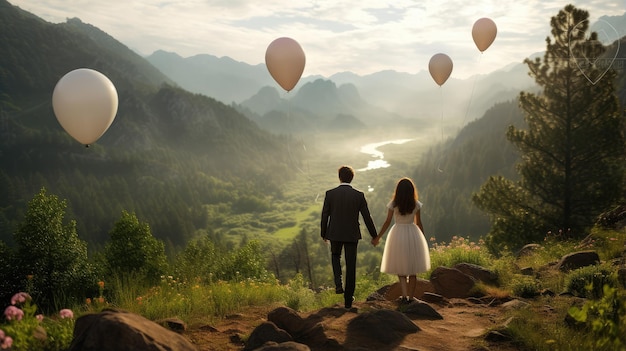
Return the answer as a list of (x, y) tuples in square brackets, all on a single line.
[(406, 250)]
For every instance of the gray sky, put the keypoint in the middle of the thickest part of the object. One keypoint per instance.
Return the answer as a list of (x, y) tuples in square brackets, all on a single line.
[(360, 36)]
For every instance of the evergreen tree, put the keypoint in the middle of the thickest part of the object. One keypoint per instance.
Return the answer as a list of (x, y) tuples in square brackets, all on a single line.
[(133, 250), (572, 151), (50, 253)]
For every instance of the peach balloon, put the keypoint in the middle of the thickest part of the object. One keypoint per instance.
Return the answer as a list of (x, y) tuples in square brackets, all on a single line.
[(484, 33), (440, 68), (285, 61)]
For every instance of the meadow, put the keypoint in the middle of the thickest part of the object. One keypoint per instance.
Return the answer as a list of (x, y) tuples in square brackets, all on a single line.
[(593, 297), (599, 310)]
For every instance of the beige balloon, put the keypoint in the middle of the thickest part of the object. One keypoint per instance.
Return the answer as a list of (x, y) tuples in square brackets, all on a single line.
[(484, 33), (285, 61), (440, 68), (85, 103)]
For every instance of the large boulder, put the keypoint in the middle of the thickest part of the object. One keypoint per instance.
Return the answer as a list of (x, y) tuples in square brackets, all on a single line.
[(422, 286), (478, 272), (528, 250), (117, 330), (286, 328), (380, 326), (451, 282), (264, 333), (577, 260)]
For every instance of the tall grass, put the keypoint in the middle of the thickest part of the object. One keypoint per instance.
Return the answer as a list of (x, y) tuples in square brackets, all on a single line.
[(459, 250), (199, 301)]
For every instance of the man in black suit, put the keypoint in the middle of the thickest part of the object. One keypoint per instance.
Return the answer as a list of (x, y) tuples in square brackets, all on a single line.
[(340, 225)]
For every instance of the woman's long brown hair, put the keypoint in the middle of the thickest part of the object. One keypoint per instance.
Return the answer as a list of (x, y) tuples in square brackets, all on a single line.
[(405, 197)]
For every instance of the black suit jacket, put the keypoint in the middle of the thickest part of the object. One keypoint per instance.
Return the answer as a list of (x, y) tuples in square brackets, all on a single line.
[(340, 214)]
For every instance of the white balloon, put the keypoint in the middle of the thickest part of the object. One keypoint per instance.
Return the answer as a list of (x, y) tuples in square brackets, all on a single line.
[(85, 104)]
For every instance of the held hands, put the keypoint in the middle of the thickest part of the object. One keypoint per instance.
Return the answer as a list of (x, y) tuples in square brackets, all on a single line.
[(376, 240)]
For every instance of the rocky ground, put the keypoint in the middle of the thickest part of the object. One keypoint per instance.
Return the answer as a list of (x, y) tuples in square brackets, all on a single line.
[(464, 326)]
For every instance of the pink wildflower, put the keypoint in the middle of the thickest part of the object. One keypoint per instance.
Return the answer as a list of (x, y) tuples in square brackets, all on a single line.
[(13, 312), (20, 297), (39, 317), (66, 313), (7, 342)]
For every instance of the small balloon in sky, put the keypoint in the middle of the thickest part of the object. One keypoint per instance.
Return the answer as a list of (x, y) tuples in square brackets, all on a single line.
[(285, 61), (440, 68), (85, 103), (484, 33)]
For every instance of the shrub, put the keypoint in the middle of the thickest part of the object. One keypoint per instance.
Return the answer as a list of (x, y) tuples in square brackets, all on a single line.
[(299, 296), (589, 281), (524, 286), (459, 250), (51, 254), (133, 249), (605, 319)]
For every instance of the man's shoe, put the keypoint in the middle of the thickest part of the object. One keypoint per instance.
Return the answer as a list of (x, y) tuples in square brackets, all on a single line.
[(339, 290), (349, 302)]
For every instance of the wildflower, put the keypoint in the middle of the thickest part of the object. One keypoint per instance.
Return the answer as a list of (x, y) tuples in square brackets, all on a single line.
[(20, 297), (101, 299), (66, 313), (101, 284), (13, 312), (7, 342), (39, 317), (88, 301)]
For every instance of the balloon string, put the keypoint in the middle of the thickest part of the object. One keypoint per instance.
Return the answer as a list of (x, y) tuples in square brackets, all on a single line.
[(292, 158), (441, 150), (469, 103)]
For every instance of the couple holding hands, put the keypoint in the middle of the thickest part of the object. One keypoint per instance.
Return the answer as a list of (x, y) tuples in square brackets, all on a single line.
[(406, 250)]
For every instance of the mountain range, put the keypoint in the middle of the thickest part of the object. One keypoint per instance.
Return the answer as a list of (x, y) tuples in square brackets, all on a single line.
[(161, 157), (372, 99), (200, 131)]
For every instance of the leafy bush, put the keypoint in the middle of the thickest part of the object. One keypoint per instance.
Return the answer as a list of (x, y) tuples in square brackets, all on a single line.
[(245, 262), (50, 253), (605, 318), (524, 286), (589, 281), (133, 249), (299, 296)]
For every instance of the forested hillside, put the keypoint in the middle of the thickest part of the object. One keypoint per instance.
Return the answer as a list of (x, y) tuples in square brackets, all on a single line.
[(452, 171), (168, 153)]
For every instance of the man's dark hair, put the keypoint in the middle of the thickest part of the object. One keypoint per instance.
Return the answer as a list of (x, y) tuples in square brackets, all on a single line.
[(346, 173)]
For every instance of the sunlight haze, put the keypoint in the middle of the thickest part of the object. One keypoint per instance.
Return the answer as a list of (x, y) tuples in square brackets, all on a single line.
[(360, 36)]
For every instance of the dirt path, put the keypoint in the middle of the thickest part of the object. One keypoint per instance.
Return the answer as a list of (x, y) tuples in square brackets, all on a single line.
[(462, 328)]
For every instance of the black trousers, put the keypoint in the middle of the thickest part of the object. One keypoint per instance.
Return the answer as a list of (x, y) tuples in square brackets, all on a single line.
[(349, 249)]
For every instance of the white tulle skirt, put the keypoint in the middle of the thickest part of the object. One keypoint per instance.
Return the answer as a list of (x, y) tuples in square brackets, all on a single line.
[(406, 251)]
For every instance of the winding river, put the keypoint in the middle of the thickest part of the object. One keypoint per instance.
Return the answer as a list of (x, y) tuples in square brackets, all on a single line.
[(379, 157)]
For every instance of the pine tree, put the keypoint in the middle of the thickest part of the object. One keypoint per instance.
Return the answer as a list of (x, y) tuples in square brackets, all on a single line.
[(133, 251), (572, 150), (51, 254)]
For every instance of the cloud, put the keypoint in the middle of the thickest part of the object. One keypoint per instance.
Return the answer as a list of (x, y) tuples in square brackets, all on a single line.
[(362, 36)]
